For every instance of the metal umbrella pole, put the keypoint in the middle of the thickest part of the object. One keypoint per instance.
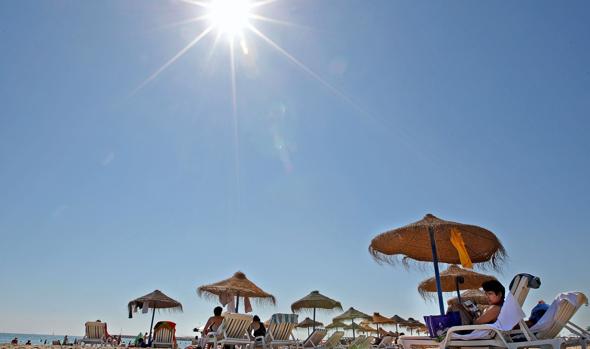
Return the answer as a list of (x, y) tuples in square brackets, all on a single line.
[(436, 271)]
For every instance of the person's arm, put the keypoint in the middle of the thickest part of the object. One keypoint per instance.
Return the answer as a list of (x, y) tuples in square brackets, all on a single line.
[(207, 325), (490, 315)]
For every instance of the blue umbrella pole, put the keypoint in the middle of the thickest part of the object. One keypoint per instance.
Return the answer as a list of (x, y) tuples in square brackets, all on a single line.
[(436, 271)]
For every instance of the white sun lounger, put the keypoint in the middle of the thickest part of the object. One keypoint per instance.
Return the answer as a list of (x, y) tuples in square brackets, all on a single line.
[(333, 341), (232, 331), (95, 333), (315, 338), (280, 332)]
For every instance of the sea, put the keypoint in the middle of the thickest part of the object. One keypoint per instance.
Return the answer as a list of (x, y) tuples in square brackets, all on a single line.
[(42, 338)]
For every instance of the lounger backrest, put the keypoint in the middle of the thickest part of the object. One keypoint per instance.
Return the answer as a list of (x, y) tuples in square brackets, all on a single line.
[(554, 320), (95, 330), (521, 284), (164, 335), (334, 340), (315, 338), (386, 341), (357, 342), (281, 326), (235, 325)]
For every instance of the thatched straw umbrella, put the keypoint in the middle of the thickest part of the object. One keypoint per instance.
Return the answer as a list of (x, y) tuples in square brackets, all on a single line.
[(476, 296), (335, 325), (236, 286), (397, 320), (454, 278), (429, 240), (352, 314), (413, 324), (315, 300), (365, 327), (309, 323), (154, 300), (379, 319)]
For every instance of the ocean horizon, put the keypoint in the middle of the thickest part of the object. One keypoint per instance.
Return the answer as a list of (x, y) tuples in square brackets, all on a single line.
[(35, 338)]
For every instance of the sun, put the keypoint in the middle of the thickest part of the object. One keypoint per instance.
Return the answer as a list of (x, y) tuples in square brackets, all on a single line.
[(230, 17)]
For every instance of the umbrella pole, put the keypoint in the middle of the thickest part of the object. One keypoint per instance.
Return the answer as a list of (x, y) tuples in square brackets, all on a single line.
[(353, 337), (458, 280), (314, 319), (436, 271), (237, 302), (152, 325)]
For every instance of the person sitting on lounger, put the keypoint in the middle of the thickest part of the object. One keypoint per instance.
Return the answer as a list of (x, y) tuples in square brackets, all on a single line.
[(495, 293), (214, 321), (257, 328)]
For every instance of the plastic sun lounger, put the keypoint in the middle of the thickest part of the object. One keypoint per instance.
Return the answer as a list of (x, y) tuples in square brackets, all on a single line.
[(386, 342), (164, 335), (95, 333), (315, 338), (333, 341), (232, 331), (280, 332)]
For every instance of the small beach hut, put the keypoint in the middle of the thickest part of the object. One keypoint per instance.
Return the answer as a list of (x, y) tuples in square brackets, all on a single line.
[(432, 239), (236, 286), (154, 300), (315, 300)]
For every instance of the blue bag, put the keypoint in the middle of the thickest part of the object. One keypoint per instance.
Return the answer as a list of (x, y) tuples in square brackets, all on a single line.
[(437, 324)]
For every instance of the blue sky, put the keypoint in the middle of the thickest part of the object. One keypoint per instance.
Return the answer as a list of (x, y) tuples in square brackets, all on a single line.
[(473, 111)]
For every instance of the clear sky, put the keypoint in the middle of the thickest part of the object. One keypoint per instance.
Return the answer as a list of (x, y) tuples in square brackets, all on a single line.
[(111, 187)]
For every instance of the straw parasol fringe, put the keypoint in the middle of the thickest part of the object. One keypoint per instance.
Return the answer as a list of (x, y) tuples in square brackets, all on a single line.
[(236, 285), (392, 247)]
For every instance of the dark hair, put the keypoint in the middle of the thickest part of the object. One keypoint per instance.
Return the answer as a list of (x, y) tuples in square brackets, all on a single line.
[(256, 318), (217, 311), (494, 286)]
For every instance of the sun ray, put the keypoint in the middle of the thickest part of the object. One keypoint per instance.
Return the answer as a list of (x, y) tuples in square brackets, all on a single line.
[(214, 45), (173, 59), (275, 21), (304, 68), (196, 2), (186, 21), (236, 122), (262, 3)]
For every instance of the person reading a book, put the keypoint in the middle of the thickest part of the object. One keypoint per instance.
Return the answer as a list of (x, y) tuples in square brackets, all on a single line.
[(495, 293)]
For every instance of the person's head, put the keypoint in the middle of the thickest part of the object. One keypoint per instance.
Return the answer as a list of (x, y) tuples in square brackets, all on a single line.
[(494, 291), (217, 311), (256, 318)]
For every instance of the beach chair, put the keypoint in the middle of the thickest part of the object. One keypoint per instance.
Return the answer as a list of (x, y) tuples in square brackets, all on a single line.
[(360, 342), (557, 318), (232, 331), (280, 332), (521, 284), (499, 334), (386, 342), (164, 335), (95, 333), (333, 341), (314, 340)]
